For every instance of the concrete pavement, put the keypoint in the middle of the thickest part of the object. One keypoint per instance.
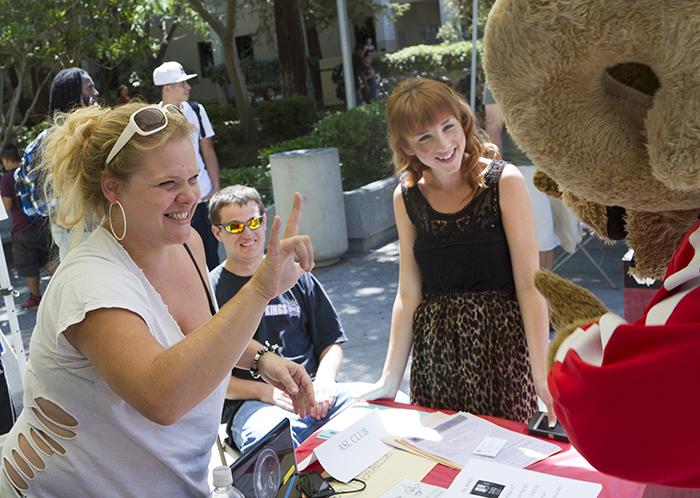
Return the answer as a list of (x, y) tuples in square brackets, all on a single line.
[(363, 285)]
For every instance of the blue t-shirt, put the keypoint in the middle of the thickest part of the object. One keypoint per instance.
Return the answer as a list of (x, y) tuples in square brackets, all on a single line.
[(301, 321)]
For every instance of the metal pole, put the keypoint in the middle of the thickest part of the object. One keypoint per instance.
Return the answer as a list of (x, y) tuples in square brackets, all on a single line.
[(347, 54), (475, 27), (12, 353)]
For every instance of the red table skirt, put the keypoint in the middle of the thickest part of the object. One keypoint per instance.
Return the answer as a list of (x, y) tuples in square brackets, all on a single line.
[(567, 463)]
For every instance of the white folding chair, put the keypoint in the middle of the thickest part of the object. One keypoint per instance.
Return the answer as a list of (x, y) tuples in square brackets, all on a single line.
[(586, 237)]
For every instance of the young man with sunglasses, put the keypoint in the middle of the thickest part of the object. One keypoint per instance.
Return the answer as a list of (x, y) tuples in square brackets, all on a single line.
[(175, 90), (300, 325)]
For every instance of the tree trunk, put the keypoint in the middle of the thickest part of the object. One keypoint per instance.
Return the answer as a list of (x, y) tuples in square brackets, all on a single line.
[(240, 92), (291, 46), (14, 102), (233, 66), (315, 53), (38, 92)]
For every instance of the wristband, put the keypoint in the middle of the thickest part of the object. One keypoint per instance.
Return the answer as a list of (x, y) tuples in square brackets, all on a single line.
[(267, 348)]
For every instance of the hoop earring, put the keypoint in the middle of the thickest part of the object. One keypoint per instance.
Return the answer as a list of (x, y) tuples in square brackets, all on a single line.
[(109, 215)]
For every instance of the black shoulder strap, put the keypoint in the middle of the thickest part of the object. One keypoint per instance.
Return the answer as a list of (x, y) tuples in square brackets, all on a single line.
[(212, 308), (409, 197), (198, 111)]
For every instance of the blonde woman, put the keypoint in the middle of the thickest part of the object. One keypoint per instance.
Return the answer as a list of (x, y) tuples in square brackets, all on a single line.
[(129, 359)]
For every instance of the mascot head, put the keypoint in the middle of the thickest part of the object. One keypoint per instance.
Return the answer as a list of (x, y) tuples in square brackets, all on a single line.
[(604, 97)]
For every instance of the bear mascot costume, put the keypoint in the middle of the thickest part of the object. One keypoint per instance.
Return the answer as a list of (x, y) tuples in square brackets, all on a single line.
[(604, 97)]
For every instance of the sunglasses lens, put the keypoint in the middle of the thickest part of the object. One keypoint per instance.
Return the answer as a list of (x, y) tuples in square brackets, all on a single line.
[(234, 227), (149, 119), (172, 109), (255, 223)]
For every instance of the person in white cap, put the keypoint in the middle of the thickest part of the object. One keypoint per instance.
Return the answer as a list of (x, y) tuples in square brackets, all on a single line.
[(175, 90)]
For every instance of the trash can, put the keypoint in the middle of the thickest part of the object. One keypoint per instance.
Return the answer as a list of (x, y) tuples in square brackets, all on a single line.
[(315, 174)]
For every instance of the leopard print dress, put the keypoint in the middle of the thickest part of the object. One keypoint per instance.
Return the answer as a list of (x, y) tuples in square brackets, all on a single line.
[(469, 348)]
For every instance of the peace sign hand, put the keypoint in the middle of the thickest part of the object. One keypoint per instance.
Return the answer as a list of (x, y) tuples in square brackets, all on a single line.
[(279, 271)]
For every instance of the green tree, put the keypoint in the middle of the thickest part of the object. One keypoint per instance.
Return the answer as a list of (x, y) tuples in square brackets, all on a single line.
[(210, 12), (37, 38)]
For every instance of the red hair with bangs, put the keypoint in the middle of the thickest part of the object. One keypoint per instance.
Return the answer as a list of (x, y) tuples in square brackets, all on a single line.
[(415, 105)]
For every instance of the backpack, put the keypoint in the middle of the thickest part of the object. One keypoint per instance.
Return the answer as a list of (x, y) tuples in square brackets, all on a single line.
[(337, 74), (198, 111), (28, 184)]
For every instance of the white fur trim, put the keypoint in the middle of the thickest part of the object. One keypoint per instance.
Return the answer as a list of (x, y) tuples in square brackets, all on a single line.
[(608, 324), (587, 343), (691, 271), (659, 313)]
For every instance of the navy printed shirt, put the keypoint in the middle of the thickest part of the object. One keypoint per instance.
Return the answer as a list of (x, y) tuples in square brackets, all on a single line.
[(301, 321)]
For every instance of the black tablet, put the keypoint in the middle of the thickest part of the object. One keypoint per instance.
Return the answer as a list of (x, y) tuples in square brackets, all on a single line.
[(539, 426), (268, 468)]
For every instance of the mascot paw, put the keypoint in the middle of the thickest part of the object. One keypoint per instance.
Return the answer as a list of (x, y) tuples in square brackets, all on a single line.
[(570, 306)]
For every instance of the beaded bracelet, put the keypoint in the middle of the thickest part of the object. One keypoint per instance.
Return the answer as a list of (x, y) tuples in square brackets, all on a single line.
[(267, 348)]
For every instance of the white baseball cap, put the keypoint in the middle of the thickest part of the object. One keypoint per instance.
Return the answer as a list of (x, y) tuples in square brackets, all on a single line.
[(170, 72)]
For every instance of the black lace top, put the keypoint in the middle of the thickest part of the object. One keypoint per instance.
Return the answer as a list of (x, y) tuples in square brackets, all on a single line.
[(462, 251)]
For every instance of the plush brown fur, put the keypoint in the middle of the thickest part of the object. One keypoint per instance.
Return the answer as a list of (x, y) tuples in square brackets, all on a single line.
[(545, 184), (570, 306), (600, 98)]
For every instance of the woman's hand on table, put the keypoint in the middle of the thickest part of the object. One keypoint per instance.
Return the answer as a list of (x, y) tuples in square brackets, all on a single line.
[(325, 392), (290, 378), (278, 398), (378, 390), (542, 390)]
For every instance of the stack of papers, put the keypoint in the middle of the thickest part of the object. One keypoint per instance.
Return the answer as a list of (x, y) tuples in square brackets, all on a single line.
[(462, 436), (493, 480)]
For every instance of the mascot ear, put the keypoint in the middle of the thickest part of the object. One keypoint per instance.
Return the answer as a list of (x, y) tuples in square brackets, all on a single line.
[(601, 97)]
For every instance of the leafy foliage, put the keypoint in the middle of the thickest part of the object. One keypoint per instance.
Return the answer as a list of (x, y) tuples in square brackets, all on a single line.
[(421, 59), (360, 136), (252, 176), (259, 75), (286, 117)]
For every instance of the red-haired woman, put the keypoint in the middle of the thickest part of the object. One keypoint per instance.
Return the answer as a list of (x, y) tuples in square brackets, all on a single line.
[(466, 301)]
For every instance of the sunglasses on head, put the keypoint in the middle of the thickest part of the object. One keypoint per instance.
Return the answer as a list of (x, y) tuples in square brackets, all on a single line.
[(145, 121), (237, 226)]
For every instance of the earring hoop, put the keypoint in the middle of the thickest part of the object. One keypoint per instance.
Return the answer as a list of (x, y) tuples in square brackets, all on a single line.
[(109, 215)]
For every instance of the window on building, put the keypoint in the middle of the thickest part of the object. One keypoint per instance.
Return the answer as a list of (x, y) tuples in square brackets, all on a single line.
[(244, 44), (206, 58)]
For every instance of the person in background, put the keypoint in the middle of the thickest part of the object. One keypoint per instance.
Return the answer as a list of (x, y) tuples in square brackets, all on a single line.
[(301, 322), (369, 76), (172, 80), (466, 301), (123, 95), (130, 358), (547, 239), (368, 46), (31, 242), (71, 88), (268, 94)]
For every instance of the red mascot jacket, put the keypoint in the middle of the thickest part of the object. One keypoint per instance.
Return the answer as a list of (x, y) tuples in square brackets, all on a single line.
[(628, 395)]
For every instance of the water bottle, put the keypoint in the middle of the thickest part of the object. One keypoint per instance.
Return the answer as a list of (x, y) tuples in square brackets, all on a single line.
[(223, 484)]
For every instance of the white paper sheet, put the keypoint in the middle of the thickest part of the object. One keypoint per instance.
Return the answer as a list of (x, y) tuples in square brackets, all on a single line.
[(460, 434), (351, 451), (494, 480), (408, 489)]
